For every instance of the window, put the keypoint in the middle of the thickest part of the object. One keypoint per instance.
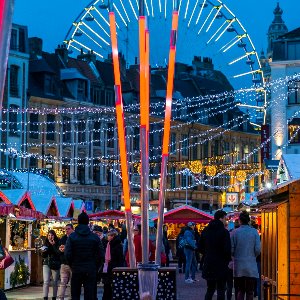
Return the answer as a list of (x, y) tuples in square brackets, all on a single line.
[(184, 145), (173, 143), (293, 50), (294, 134), (67, 130), (51, 127), (294, 92), (110, 135), (48, 84), (109, 98), (96, 95), (205, 149), (97, 136), (136, 139), (13, 81), (22, 40), (184, 179), (13, 120), (173, 178), (195, 148), (81, 90), (14, 40), (81, 131), (34, 126)]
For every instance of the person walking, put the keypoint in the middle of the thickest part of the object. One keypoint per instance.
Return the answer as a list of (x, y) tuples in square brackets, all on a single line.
[(215, 247), (180, 251), (83, 251), (166, 244), (65, 269), (245, 247), (189, 252), (113, 258), (51, 264)]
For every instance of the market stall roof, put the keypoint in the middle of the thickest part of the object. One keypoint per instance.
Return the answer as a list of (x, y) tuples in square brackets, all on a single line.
[(4, 199), (185, 214), (65, 206), (111, 215), (45, 204), (19, 197)]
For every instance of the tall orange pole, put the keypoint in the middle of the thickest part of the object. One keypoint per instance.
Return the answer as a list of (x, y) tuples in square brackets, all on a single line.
[(144, 133), (166, 137), (122, 136)]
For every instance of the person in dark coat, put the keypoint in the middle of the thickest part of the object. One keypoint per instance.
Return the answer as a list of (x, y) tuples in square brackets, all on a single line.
[(51, 263), (166, 244), (83, 251), (216, 247), (113, 258), (180, 251)]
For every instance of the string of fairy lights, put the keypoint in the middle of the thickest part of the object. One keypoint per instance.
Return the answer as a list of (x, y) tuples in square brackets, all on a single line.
[(205, 164)]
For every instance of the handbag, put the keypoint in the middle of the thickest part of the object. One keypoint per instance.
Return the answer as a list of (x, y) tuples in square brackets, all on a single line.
[(6, 261)]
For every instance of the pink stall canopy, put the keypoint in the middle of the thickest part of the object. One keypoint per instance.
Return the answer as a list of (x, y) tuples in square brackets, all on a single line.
[(184, 214), (110, 215)]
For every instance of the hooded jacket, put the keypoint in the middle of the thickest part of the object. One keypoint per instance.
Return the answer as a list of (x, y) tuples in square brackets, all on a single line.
[(215, 246), (84, 250)]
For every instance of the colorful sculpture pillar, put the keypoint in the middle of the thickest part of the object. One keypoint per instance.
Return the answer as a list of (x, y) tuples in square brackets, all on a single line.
[(122, 137), (166, 137), (6, 12)]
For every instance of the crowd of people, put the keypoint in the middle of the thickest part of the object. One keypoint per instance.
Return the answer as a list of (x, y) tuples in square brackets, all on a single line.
[(87, 255), (227, 259)]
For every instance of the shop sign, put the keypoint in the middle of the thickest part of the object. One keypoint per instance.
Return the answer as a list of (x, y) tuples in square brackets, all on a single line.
[(232, 198)]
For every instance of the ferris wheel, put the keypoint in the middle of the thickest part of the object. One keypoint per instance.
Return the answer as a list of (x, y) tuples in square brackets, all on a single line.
[(207, 29)]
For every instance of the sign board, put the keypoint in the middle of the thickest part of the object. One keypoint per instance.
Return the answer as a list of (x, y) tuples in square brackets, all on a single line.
[(232, 198), (265, 135), (89, 205)]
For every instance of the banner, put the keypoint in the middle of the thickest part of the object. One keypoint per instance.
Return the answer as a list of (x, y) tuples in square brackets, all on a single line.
[(265, 150)]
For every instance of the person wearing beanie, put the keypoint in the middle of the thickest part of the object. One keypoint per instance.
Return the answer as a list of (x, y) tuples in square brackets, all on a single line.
[(216, 248), (84, 252)]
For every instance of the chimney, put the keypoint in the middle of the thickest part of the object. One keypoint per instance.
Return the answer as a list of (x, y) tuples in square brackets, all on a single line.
[(35, 46), (62, 52)]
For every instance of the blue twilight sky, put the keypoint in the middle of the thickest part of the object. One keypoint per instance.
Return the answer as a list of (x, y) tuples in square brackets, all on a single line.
[(51, 20)]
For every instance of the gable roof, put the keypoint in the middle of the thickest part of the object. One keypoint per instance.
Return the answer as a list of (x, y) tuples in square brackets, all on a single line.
[(185, 214), (293, 168)]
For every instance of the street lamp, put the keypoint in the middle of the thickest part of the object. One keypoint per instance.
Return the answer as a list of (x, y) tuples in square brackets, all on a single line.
[(186, 173)]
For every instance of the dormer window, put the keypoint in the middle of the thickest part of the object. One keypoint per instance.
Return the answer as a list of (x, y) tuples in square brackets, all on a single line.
[(81, 90), (49, 84)]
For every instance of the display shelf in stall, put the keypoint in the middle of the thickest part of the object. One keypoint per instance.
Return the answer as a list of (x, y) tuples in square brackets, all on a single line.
[(115, 217)]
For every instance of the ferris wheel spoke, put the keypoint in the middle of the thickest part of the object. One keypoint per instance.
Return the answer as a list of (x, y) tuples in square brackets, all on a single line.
[(201, 11), (204, 23), (239, 37), (242, 57), (101, 16), (92, 39), (180, 3), (193, 12), (214, 18), (87, 48), (221, 34), (166, 9), (117, 10), (247, 73), (218, 30), (122, 4), (134, 12), (95, 33), (102, 28), (186, 9)]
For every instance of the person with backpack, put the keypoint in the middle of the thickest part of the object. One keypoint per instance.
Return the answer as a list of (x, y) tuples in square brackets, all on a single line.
[(180, 243)]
